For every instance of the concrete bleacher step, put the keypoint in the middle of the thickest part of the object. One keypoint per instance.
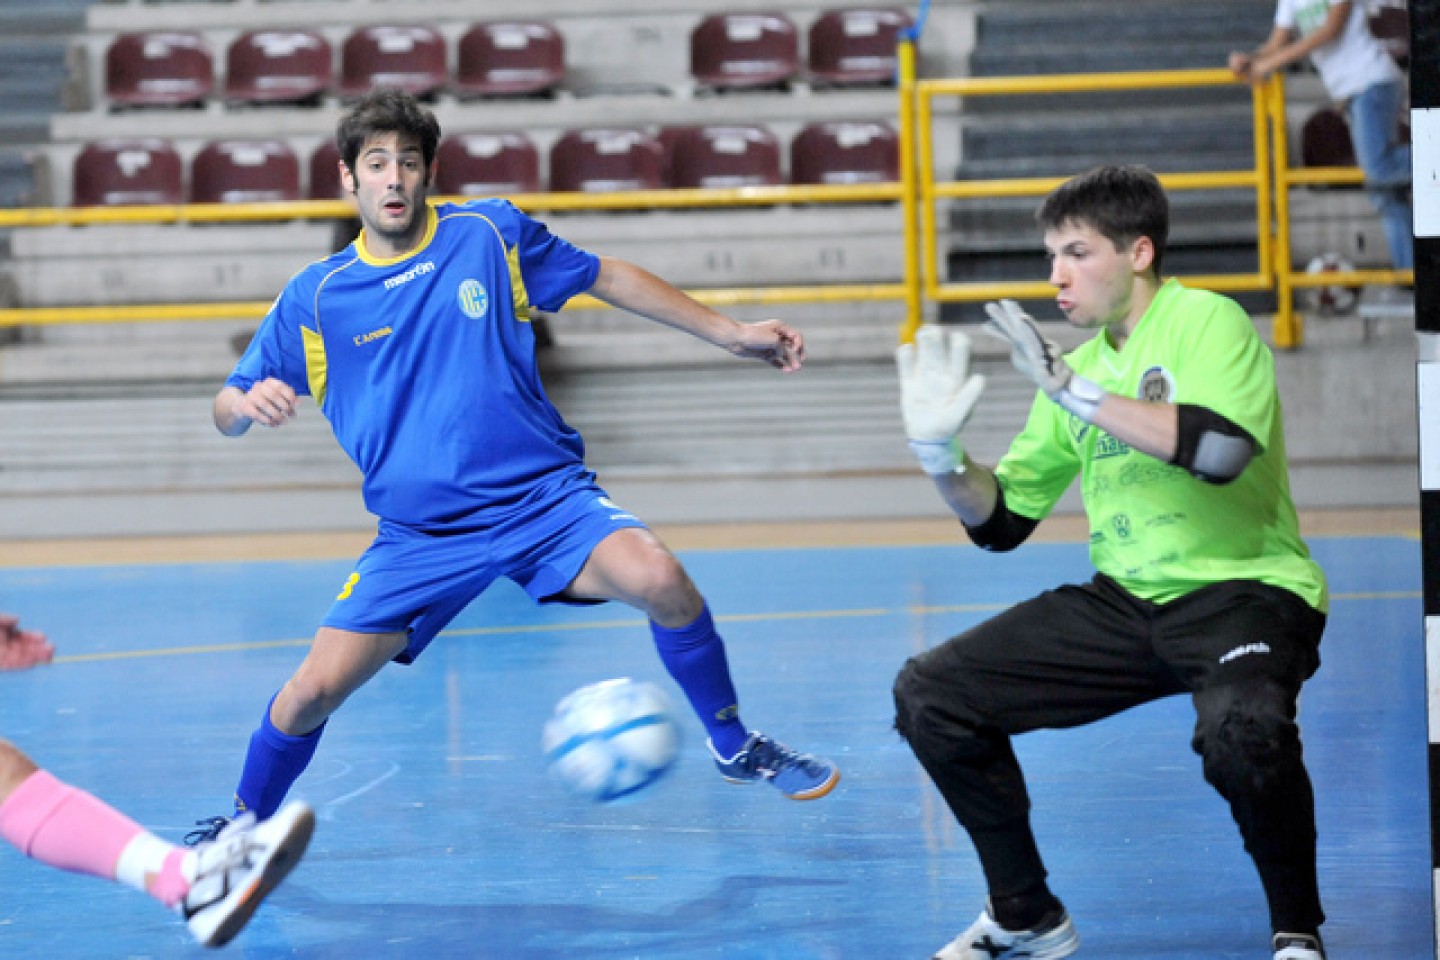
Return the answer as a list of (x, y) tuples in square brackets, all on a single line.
[(1086, 26), (146, 460), (1076, 36), (1055, 144), (1008, 223), (1169, 131), (695, 249)]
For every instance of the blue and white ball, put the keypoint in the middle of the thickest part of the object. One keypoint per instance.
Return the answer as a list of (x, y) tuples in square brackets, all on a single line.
[(612, 739)]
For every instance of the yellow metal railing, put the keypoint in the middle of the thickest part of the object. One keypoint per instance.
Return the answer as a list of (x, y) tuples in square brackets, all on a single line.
[(1289, 325), (534, 202), (1271, 178), (928, 190), (918, 192)]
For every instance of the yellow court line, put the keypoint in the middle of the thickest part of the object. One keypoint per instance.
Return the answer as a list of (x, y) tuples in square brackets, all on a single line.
[(858, 612), (179, 651)]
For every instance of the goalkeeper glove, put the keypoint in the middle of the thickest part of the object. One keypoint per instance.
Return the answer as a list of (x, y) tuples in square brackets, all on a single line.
[(937, 396), (1041, 360)]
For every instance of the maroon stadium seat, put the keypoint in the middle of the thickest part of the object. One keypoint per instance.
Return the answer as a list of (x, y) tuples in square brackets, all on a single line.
[(845, 152), (121, 172), (159, 68), (245, 171), (409, 57), (509, 57), (724, 157), (1325, 139), (1390, 23), (486, 165), (731, 51), (596, 161), (277, 66), (325, 173), (856, 46)]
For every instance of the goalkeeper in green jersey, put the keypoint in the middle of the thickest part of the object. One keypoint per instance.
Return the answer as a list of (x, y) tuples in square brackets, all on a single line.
[(1170, 419)]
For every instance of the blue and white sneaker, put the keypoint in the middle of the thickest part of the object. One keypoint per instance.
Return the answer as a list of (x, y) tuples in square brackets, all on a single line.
[(1050, 939), (797, 775)]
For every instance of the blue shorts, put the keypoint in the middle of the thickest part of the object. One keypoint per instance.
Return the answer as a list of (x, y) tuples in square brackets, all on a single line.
[(418, 582)]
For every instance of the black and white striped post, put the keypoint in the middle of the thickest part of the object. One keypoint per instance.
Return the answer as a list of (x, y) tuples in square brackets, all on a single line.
[(1425, 135)]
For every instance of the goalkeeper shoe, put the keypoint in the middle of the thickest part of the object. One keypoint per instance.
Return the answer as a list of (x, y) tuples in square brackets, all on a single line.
[(797, 775), (1053, 937), (1298, 946), (237, 870)]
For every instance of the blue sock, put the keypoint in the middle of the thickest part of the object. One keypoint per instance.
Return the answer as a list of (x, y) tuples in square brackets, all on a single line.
[(275, 760), (695, 656)]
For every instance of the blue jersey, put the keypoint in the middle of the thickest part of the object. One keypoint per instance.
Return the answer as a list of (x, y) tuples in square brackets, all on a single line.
[(425, 364)]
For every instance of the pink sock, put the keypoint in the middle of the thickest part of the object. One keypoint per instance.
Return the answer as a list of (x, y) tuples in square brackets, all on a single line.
[(171, 884), (73, 830)]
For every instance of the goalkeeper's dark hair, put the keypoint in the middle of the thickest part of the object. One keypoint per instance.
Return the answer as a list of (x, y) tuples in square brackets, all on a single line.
[(387, 110), (1123, 203)]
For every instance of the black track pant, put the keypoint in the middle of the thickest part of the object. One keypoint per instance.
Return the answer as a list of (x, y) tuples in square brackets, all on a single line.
[(1071, 656)]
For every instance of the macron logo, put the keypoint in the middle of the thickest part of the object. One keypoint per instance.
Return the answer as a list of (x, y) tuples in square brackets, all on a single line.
[(1245, 650), (419, 270)]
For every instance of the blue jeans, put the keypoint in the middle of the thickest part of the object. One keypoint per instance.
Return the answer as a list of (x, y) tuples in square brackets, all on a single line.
[(1375, 130)]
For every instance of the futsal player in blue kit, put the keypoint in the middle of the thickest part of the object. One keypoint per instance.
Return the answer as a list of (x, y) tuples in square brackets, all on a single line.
[(415, 342)]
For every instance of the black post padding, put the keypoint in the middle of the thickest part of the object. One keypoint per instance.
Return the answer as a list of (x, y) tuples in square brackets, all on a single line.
[(1430, 551), (1435, 806), (1424, 54)]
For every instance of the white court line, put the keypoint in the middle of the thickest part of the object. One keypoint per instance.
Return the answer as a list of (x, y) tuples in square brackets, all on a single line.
[(327, 810)]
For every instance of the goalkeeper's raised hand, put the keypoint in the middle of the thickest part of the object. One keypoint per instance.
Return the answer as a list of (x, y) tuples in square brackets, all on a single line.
[(937, 395), (1041, 360)]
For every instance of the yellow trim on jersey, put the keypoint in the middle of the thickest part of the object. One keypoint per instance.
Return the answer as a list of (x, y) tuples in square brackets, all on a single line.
[(518, 293), (519, 296), (431, 222), (316, 368)]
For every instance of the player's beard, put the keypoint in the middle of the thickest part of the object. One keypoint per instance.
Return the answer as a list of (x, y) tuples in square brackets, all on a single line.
[(407, 233)]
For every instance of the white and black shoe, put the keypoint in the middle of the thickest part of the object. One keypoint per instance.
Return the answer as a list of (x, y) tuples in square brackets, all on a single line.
[(238, 869), (1298, 946), (1050, 939)]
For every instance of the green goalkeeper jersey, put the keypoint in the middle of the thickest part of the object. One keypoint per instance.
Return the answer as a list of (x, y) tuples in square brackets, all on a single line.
[(1154, 528)]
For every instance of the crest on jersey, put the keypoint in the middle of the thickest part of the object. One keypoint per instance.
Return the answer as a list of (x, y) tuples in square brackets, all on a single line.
[(474, 300), (1156, 386)]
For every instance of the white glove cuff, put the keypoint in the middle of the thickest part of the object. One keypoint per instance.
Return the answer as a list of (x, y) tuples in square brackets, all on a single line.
[(939, 457), (1081, 397)]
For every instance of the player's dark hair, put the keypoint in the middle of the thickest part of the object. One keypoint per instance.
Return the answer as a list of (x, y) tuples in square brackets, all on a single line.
[(387, 110), (1123, 203)]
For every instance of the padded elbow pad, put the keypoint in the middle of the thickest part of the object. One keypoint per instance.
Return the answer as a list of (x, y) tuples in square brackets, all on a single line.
[(1004, 531), (1211, 447)]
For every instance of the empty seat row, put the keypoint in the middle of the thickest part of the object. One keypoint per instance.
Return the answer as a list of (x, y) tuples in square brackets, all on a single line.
[(176, 68), (125, 172), (493, 58)]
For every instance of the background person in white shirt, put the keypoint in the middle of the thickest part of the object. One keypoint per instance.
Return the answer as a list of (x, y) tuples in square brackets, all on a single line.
[(1359, 73)]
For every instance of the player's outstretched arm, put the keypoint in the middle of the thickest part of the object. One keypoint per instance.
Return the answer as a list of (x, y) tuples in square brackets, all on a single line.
[(1210, 446), (21, 648), (623, 284), (270, 402), (938, 393)]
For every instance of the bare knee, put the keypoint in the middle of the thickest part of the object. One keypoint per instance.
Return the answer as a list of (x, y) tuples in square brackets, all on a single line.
[(665, 592), (15, 768), (339, 663), (305, 702)]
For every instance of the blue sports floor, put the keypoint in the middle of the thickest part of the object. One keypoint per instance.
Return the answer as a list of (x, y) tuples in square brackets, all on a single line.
[(441, 836)]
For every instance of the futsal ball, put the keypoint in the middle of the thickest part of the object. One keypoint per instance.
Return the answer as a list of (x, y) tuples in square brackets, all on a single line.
[(1330, 301), (612, 739)]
